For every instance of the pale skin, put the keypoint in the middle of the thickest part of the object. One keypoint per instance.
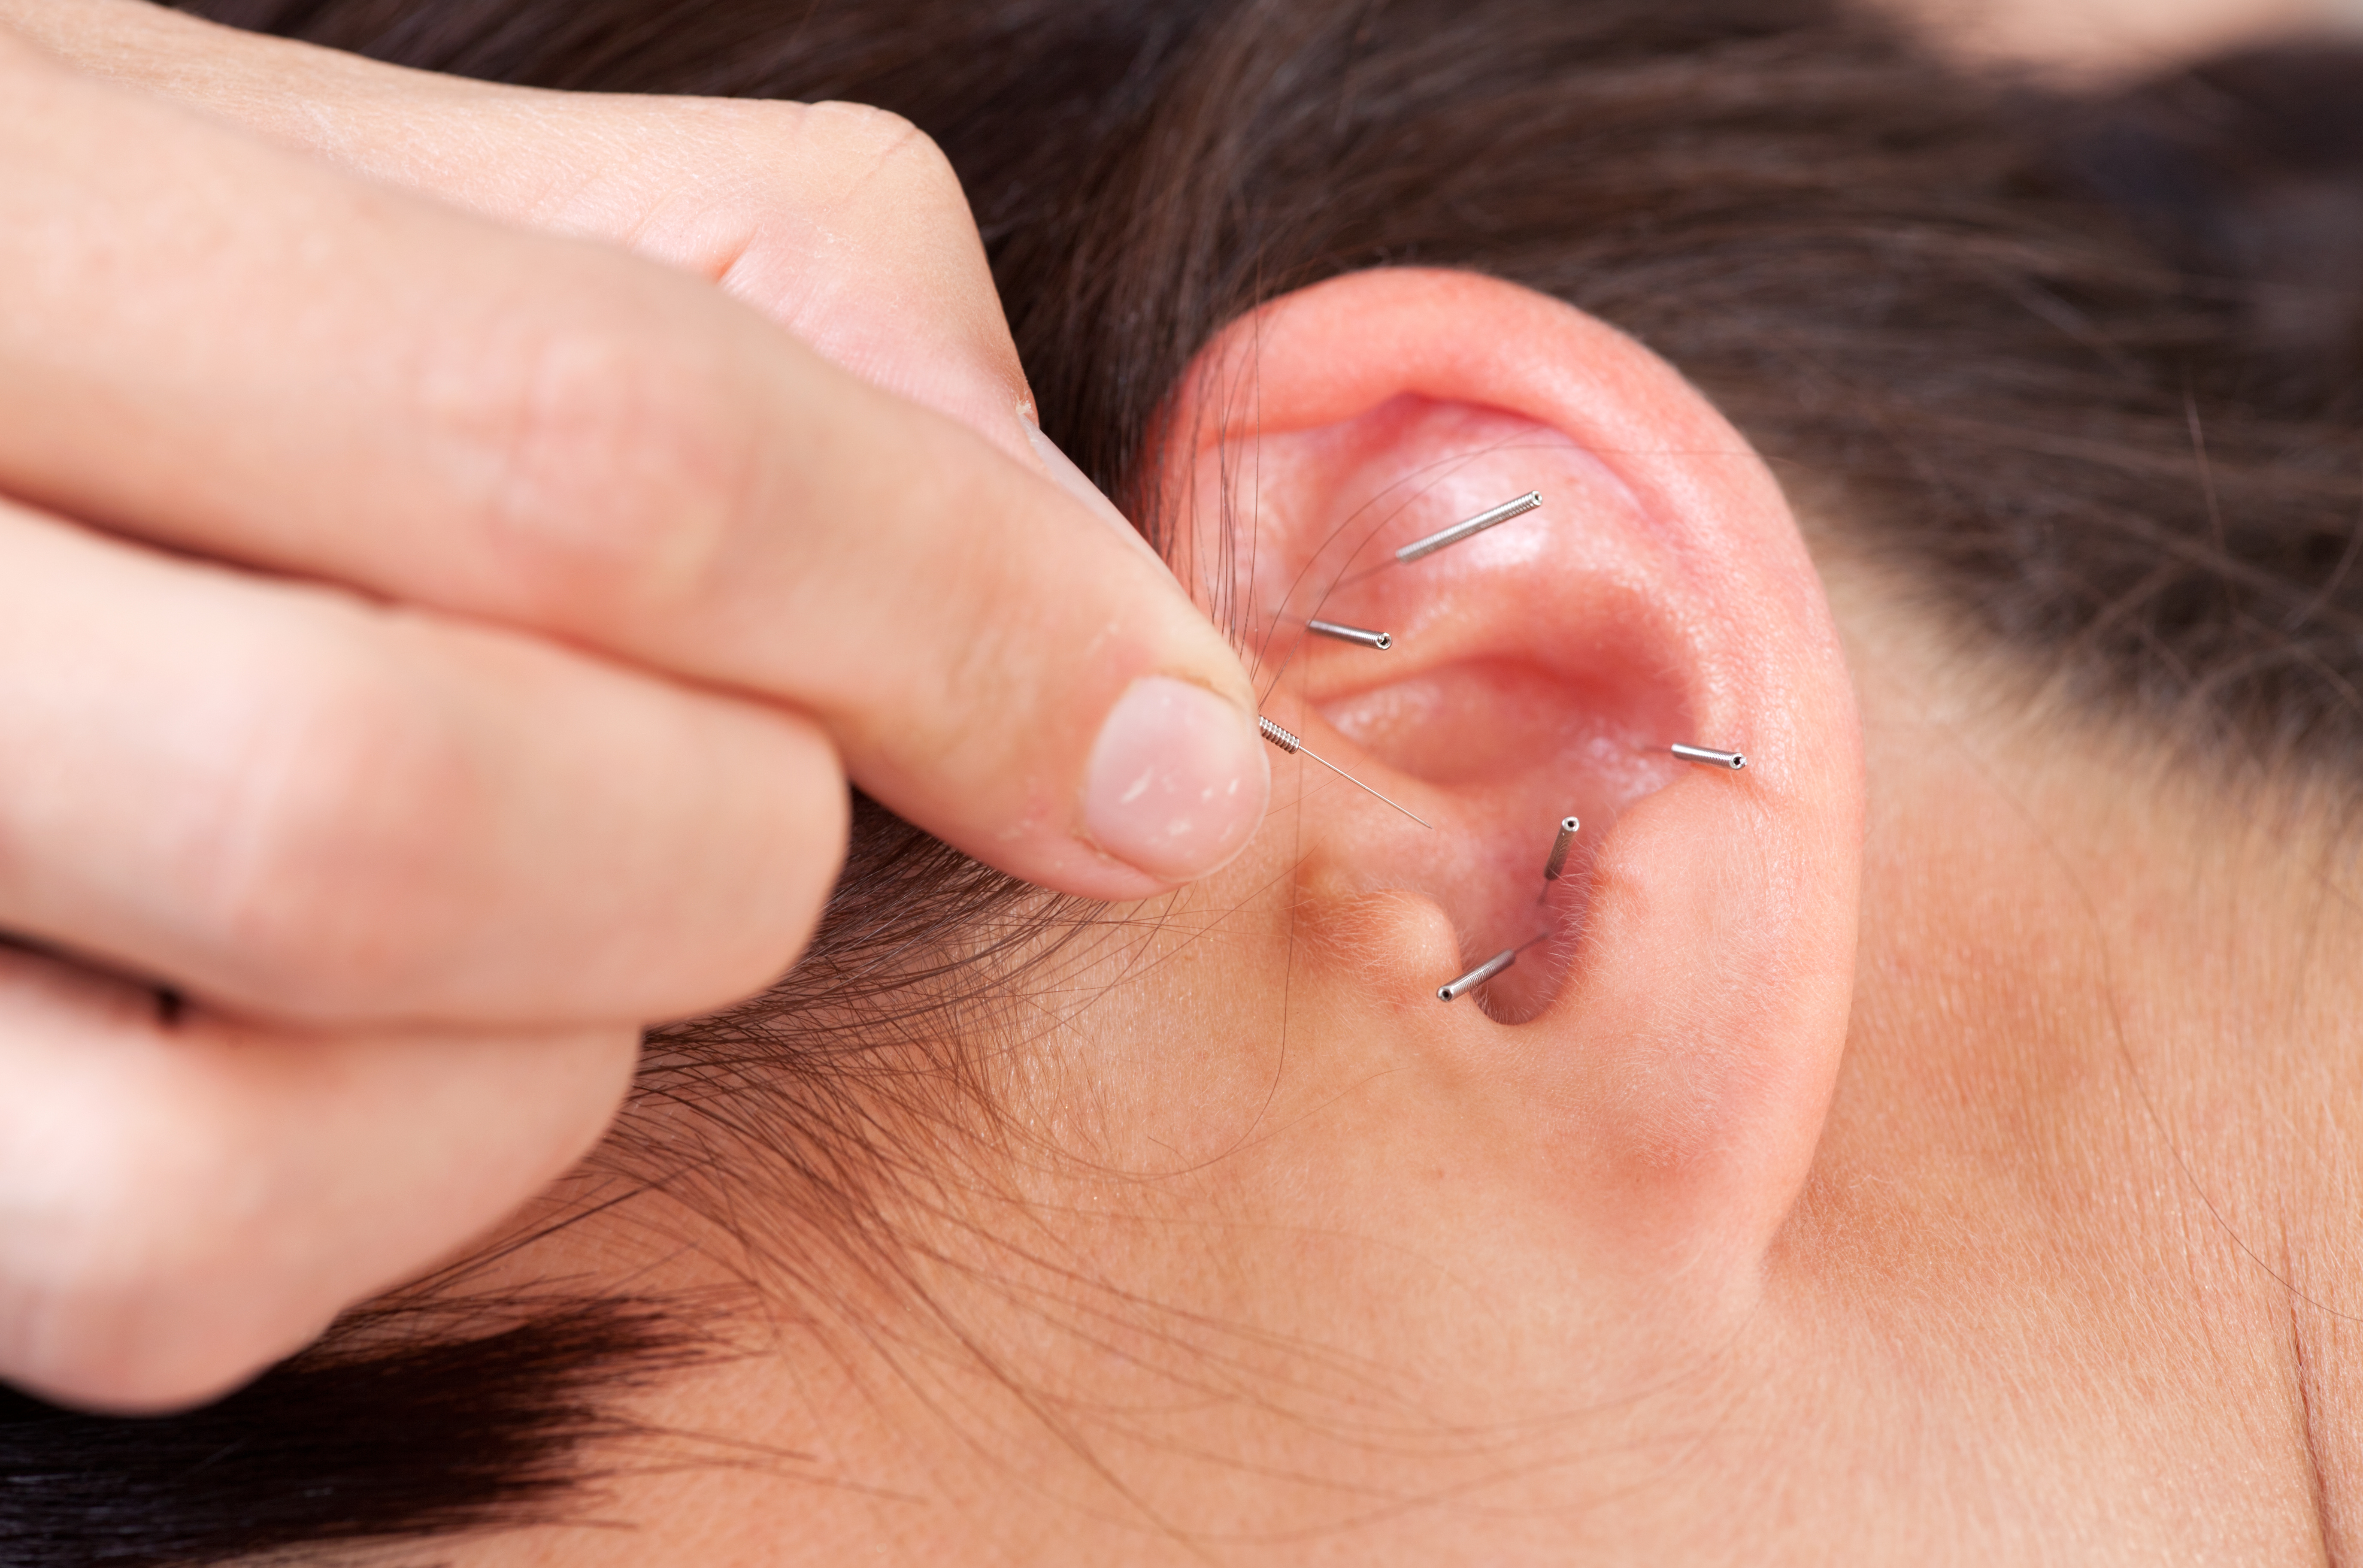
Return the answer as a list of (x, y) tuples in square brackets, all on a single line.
[(2019, 1228)]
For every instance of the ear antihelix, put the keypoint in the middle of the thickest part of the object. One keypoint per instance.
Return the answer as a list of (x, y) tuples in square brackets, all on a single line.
[(1420, 549), (1469, 528)]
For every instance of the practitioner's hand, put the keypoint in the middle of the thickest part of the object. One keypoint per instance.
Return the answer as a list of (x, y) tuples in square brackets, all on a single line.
[(434, 650)]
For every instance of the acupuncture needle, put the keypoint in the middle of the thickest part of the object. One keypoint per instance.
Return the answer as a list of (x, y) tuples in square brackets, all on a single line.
[(1467, 528), (1290, 744), (1708, 756), (1453, 989), (1553, 868), (1358, 635)]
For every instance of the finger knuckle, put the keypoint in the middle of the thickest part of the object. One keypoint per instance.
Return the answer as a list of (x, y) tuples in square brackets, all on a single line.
[(898, 181), (618, 448), (334, 834)]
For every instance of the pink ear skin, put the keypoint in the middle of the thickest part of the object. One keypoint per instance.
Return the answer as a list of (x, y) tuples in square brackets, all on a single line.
[(1667, 1054)]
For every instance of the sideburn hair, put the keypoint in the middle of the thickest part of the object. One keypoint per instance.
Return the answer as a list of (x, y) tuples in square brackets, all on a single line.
[(2041, 349)]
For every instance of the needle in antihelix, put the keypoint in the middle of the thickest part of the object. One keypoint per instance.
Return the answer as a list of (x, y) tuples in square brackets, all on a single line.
[(1471, 526), (1295, 747)]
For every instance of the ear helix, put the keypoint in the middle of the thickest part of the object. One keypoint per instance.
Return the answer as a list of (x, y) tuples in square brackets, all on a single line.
[(1555, 865)]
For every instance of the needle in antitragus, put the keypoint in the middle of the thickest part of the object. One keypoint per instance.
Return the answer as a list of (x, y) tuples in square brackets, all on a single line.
[(1287, 743)]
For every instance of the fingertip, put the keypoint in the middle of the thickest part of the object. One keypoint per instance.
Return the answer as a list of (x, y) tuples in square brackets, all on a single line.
[(1177, 782)]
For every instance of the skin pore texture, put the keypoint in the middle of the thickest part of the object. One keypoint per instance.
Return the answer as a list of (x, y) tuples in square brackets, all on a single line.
[(1982, 1199)]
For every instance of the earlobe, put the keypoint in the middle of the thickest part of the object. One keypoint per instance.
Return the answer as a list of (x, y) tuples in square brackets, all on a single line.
[(1668, 1037)]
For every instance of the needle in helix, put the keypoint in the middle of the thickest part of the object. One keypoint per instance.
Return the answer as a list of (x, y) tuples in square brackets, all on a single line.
[(1295, 747)]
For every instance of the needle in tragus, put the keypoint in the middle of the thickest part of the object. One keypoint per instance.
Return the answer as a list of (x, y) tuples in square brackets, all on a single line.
[(1287, 743), (1453, 989)]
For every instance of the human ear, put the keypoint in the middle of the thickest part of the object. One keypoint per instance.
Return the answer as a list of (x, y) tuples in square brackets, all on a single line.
[(1664, 1054)]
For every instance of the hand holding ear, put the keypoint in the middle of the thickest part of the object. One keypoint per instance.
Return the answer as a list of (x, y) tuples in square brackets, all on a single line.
[(434, 650)]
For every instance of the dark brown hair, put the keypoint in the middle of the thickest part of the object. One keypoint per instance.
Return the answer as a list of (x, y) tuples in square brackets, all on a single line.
[(2074, 370)]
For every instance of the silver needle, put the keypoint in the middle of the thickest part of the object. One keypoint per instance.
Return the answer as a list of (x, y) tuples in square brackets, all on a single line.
[(1568, 828), (1381, 641), (1452, 990), (1477, 524), (1295, 747), (1477, 976)]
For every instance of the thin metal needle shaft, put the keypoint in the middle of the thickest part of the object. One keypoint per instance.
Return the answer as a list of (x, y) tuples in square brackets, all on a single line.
[(1487, 969), (1475, 978), (1568, 828), (1381, 641), (1709, 757), (1477, 524), (1295, 747)]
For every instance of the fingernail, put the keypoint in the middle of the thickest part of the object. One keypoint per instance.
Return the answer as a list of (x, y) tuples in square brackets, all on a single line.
[(1177, 780), (1077, 483)]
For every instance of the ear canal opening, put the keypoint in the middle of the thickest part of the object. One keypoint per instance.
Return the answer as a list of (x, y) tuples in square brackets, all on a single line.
[(1530, 767)]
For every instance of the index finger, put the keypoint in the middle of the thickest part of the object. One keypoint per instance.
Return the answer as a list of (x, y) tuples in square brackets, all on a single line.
[(222, 346), (841, 222)]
